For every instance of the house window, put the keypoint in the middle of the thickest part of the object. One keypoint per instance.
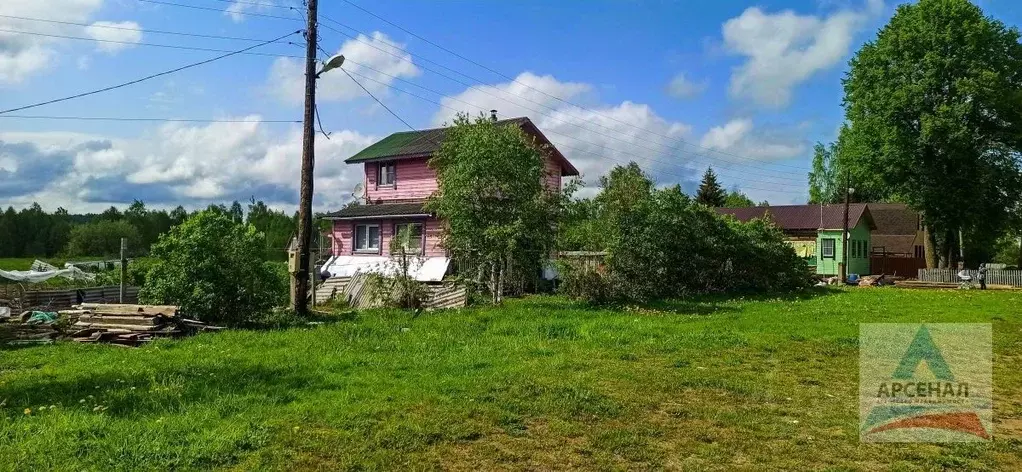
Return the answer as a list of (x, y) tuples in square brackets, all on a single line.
[(920, 252), (367, 238), (386, 175), (827, 248), (414, 243)]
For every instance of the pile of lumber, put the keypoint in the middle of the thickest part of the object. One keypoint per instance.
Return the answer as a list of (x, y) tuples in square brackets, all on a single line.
[(129, 325), (14, 333)]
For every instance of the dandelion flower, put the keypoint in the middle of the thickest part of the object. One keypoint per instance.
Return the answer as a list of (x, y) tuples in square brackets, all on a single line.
[(28, 411)]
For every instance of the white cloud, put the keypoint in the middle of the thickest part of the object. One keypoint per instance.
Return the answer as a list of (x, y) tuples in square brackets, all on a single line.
[(22, 55), (682, 87), (124, 34), (377, 57), (237, 10), (177, 164), (738, 138), (528, 95), (785, 49)]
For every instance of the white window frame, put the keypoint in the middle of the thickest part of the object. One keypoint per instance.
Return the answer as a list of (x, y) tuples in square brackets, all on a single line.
[(386, 174), (421, 238), (368, 244), (823, 248)]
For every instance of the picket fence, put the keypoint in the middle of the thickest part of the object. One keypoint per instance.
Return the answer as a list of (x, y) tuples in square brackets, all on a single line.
[(999, 277)]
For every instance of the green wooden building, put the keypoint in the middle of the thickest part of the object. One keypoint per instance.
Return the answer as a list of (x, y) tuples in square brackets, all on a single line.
[(815, 233)]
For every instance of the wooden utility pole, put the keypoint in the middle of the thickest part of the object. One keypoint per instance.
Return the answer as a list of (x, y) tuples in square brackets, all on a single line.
[(124, 269), (300, 279), (844, 233)]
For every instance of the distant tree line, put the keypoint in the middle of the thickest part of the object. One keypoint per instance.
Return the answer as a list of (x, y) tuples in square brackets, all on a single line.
[(33, 232)]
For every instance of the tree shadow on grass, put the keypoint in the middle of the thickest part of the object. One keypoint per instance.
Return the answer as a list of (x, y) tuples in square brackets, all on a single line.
[(720, 303), (166, 390)]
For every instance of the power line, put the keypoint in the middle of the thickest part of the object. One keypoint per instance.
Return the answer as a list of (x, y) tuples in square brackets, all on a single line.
[(727, 163), (218, 10), (257, 4), (168, 120), (148, 77), (512, 79), (566, 146), (784, 175), (690, 154), (155, 45), (385, 107), (123, 28)]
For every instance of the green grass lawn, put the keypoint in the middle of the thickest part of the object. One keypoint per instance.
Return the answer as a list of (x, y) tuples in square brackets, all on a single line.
[(539, 384)]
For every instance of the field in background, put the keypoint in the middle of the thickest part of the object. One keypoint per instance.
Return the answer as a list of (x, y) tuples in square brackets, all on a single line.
[(540, 384), (24, 263)]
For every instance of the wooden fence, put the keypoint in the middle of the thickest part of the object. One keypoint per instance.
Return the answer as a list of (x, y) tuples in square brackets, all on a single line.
[(63, 299), (997, 277), (357, 294), (895, 265)]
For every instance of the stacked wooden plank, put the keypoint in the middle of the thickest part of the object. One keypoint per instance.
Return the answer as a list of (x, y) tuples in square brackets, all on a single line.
[(130, 325), (14, 333)]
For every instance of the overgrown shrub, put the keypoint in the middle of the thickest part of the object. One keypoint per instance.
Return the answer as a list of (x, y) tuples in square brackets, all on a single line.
[(211, 265), (664, 245), (585, 283)]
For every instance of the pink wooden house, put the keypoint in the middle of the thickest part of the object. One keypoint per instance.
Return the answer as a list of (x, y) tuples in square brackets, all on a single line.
[(397, 183)]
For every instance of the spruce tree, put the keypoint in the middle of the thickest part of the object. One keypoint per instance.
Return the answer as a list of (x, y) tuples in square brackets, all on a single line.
[(710, 192)]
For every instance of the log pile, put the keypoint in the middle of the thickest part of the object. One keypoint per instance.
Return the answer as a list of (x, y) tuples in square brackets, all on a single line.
[(21, 333), (129, 325)]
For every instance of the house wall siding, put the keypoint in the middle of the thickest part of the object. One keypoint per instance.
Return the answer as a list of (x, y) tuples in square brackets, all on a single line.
[(415, 181), (552, 170), (343, 232)]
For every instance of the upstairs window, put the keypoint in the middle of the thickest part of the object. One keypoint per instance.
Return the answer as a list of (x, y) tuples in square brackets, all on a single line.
[(386, 175), (367, 238)]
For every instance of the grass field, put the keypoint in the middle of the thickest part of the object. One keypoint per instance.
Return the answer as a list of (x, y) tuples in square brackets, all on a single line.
[(541, 384)]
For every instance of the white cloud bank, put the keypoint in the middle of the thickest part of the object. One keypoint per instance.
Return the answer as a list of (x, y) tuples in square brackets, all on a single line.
[(175, 164), (785, 49)]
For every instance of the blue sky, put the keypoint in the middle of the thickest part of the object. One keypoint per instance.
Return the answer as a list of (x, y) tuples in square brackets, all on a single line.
[(676, 86)]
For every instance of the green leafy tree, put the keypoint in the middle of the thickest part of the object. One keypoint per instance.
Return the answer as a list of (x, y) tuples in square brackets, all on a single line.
[(737, 199), (102, 238), (210, 266), (710, 192), (823, 186), (498, 217), (934, 105)]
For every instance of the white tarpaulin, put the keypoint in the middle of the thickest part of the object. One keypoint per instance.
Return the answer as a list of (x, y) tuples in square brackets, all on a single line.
[(36, 276), (430, 269)]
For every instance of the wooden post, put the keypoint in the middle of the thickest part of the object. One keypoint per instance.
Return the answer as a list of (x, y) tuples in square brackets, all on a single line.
[(124, 268), (300, 280), (844, 233)]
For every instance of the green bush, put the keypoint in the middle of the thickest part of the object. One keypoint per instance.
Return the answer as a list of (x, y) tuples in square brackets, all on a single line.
[(212, 267), (586, 284), (664, 245)]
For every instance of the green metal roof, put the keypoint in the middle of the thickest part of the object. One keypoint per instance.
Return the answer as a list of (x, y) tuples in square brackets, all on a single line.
[(410, 144)]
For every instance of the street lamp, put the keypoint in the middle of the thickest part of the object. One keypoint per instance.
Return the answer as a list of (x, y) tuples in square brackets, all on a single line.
[(334, 62)]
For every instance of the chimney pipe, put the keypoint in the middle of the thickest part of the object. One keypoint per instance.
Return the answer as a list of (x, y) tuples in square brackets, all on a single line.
[(493, 115)]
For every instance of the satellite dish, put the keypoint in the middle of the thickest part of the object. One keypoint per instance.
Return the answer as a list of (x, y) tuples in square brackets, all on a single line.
[(359, 193)]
